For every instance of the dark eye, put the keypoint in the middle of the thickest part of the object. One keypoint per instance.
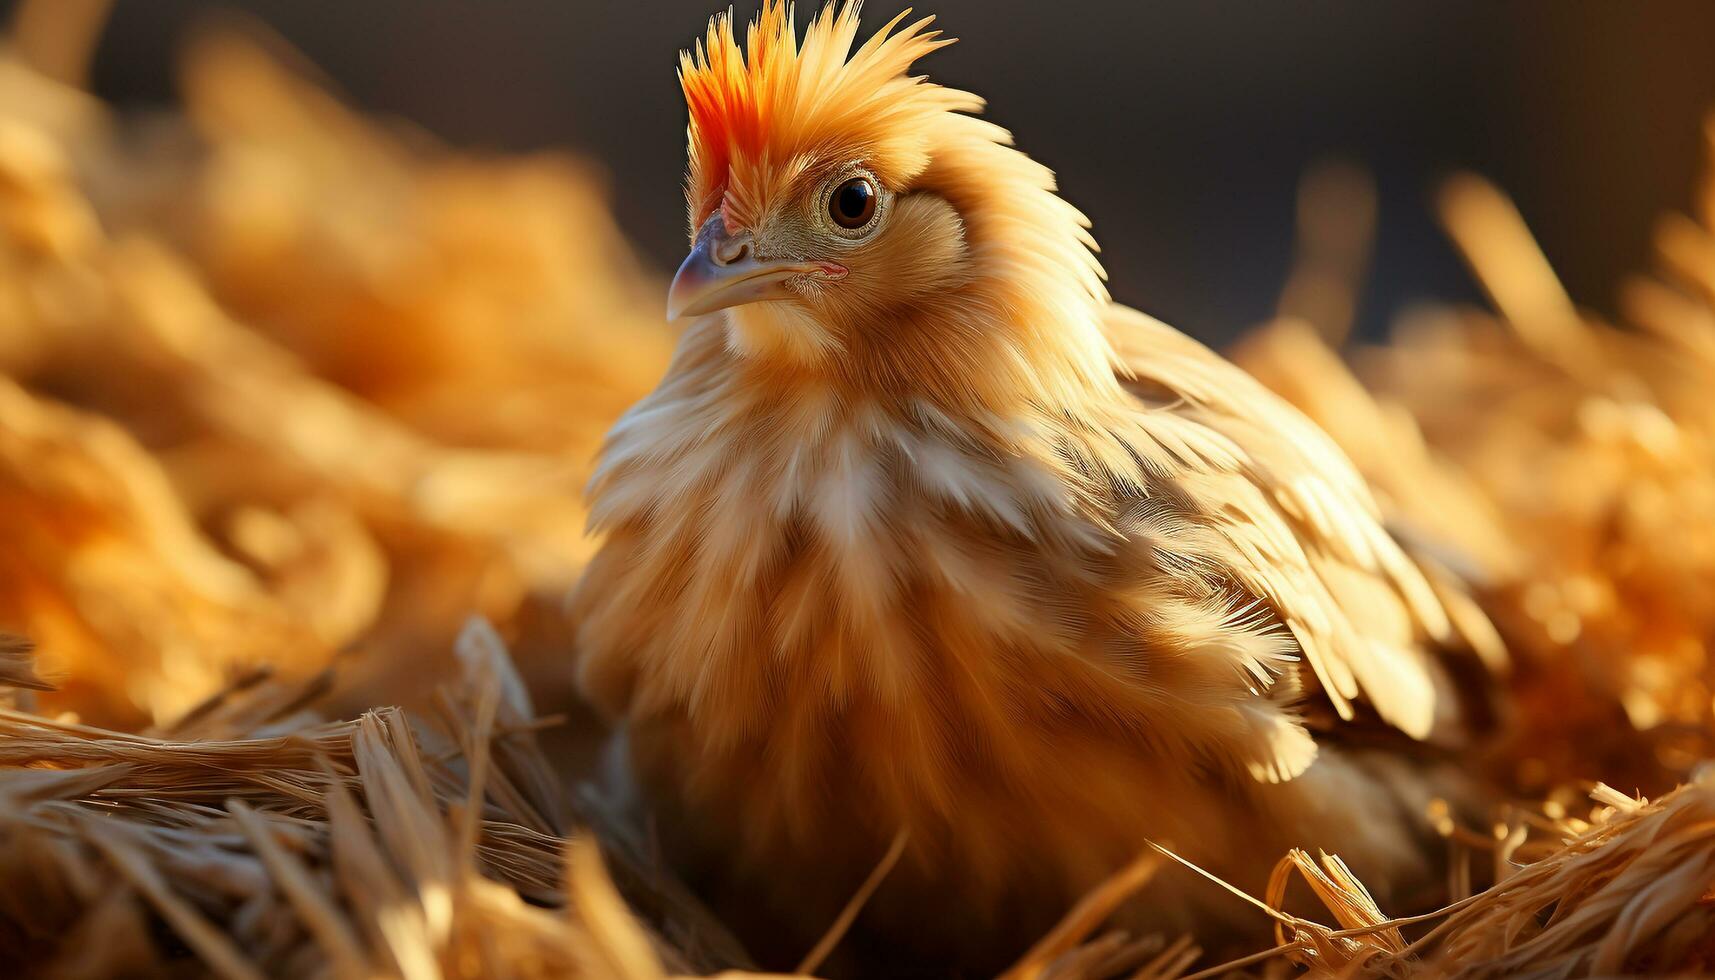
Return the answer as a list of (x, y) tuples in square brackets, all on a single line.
[(853, 203)]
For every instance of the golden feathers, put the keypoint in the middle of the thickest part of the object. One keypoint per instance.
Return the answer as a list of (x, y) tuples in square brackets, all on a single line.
[(991, 560), (756, 114)]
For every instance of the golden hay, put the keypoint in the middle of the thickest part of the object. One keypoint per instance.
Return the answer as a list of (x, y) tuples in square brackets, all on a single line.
[(244, 493), (1566, 465), (1627, 892), (420, 280), (294, 457), (271, 843), (199, 513)]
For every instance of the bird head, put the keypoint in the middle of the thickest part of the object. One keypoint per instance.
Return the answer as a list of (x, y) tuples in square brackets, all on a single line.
[(839, 204)]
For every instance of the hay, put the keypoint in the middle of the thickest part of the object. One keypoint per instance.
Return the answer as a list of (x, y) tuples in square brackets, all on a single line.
[(235, 414), (1625, 894), (271, 558), (1567, 467), (271, 843), (1564, 464), (204, 515)]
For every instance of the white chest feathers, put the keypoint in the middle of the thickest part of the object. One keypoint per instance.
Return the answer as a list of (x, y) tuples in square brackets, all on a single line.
[(810, 534)]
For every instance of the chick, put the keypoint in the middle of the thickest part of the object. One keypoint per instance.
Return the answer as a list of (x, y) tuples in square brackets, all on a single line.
[(921, 535)]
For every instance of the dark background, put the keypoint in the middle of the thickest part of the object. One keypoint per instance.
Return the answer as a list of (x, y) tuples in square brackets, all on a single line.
[(1181, 127)]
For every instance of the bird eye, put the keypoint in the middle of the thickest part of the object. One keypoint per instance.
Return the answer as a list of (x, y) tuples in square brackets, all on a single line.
[(853, 203)]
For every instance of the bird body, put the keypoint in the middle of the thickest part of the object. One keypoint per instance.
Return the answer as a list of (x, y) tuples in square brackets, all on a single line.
[(922, 534)]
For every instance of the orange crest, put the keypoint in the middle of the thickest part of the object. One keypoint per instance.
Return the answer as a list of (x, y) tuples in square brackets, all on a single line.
[(762, 115)]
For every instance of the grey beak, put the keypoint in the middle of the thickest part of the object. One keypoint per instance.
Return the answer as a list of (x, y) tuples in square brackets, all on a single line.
[(723, 270)]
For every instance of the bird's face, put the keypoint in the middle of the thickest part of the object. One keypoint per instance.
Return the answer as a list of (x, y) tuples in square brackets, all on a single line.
[(832, 239), (812, 211), (846, 211)]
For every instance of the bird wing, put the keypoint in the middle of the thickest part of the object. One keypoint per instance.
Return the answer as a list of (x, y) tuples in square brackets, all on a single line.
[(1299, 527)]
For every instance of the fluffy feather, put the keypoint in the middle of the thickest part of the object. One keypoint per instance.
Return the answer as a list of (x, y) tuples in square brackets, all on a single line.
[(955, 546)]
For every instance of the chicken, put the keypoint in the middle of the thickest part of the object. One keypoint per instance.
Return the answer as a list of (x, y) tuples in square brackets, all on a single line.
[(922, 537)]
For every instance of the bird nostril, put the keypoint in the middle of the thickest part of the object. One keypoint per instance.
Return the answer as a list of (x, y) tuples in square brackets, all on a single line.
[(731, 250)]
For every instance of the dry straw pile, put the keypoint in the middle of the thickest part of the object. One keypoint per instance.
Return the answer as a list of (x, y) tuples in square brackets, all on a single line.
[(293, 406), (255, 839), (1565, 464)]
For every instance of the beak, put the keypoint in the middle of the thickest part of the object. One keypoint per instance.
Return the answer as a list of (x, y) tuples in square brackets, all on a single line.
[(723, 270)]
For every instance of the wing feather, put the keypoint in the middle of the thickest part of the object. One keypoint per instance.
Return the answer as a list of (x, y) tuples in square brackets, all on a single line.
[(1301, 528)]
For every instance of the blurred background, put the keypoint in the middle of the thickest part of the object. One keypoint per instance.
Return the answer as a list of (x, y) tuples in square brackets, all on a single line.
[(1181, 126)]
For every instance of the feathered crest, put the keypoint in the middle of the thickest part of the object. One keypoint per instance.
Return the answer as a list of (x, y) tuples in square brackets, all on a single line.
[(774, 107)]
